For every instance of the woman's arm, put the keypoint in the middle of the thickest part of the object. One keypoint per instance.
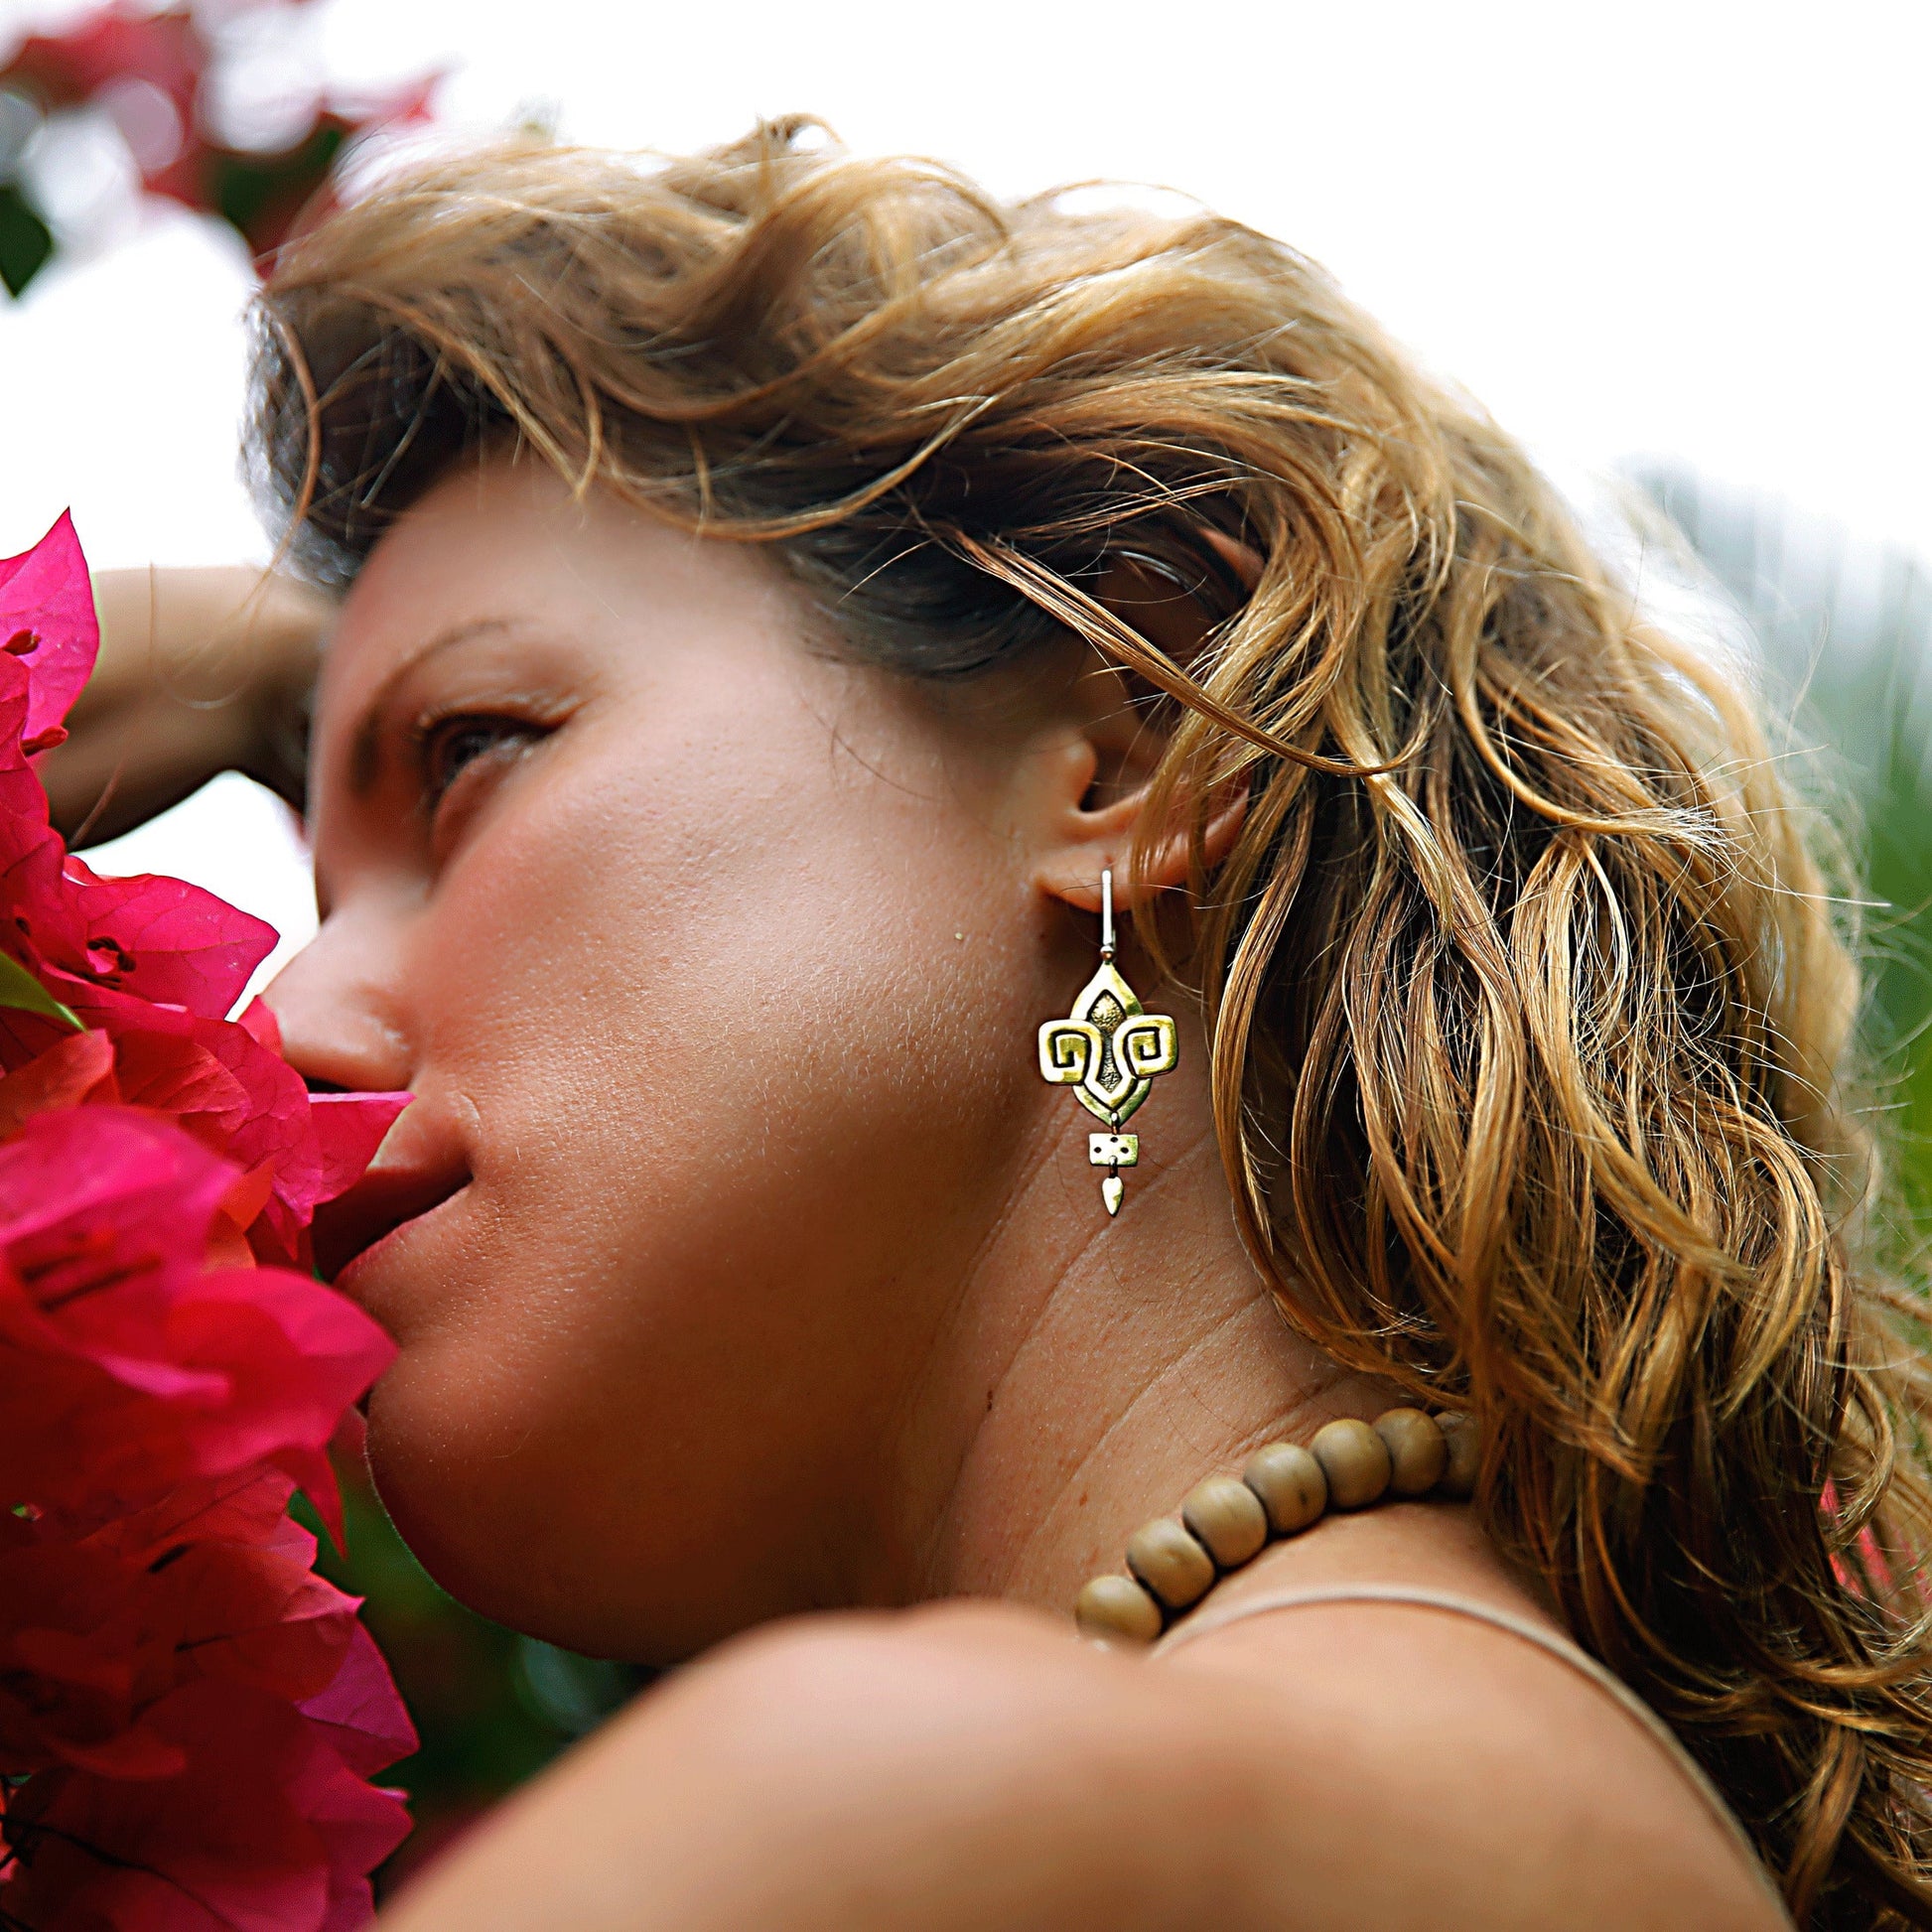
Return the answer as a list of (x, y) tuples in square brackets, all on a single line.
[(200, 671)]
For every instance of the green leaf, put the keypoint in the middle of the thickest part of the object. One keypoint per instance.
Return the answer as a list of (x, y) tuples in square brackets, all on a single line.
[(19, 988), (25, 241)]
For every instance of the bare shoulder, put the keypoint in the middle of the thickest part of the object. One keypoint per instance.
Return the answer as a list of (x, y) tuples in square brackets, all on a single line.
[(973, 1767), (1451, 1771)]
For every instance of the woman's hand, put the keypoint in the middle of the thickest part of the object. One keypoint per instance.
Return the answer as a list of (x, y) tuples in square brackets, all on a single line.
[(201, 671)]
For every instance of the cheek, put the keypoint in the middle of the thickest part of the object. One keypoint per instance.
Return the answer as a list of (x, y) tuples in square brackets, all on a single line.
[(744, 1038)]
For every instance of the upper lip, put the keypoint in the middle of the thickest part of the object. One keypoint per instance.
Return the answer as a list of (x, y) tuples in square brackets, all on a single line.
[(391, 1192)]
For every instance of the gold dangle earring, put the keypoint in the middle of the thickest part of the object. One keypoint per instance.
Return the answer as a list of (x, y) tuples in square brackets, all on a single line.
[(1108, 1050)]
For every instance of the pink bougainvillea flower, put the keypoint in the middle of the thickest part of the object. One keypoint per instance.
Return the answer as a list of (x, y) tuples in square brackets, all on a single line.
[(129, 1367), (231, 1092), (166, 941), (47, 620), (130, 1659), (348, 1128), (159, 940), (155, 938), (101, 1627), (49, 638), (93, 1198), (75, 1652), (188, 1716), (265, 1828), (154, 964)]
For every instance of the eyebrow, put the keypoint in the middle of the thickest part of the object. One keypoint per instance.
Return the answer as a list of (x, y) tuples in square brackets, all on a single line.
[(365, 743)]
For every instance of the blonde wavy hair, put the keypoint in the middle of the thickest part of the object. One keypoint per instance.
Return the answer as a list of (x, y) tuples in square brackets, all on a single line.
[(1529, 1014)]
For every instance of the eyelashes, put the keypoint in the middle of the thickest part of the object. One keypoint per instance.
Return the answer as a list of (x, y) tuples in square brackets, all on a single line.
[(448, 748), (452, 752)]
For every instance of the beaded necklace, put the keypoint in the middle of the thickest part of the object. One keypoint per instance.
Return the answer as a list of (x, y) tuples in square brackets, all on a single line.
[(1225, 1523)]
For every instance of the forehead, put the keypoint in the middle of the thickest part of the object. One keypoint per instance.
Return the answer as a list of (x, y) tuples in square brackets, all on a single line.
[(505, 546)]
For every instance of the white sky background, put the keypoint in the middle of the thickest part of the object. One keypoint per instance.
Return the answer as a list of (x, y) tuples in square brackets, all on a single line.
[(1695, 229)]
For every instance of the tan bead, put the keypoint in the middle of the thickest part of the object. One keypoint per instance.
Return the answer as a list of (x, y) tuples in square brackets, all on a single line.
[(1354, 1460), (1418, 1453), (1464, 1454), (1115, 1609), (1171, 1562), (1227, 1517), (1289, 1483)]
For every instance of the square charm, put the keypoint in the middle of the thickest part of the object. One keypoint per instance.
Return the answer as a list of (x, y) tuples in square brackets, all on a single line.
[(1114, 1150)]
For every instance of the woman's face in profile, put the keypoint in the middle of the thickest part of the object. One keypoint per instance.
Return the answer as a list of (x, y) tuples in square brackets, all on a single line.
[(712, 963)]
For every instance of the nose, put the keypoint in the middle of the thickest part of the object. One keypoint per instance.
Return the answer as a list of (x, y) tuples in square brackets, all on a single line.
[(340, 1004)]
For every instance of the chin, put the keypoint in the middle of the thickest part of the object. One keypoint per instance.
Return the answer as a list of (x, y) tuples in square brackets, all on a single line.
[(498, 1509)]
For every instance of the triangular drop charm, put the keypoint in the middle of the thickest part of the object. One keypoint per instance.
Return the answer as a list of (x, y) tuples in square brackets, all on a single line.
[(1111, 1190)]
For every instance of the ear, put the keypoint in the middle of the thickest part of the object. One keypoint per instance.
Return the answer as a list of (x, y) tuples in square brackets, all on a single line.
[(1245, 563), (1101, 771), (1102, 841)]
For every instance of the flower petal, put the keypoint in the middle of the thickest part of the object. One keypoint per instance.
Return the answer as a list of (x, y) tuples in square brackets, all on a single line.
[(63, 1076), (360, 1712), (348, 1129), (47, 621), (164, 939)]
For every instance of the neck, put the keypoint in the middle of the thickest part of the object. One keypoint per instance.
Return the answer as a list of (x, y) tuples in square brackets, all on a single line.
[(1095, 1369)]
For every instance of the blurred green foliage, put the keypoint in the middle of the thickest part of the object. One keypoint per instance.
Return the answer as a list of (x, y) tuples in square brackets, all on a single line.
[(25, 241), (492, 1707), (1898, 874), (1845, 630)]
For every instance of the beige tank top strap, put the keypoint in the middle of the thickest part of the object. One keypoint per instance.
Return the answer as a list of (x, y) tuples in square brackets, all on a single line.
[(1213, 1617)]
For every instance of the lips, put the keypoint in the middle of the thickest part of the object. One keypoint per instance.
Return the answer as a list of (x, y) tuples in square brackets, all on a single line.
[(387, 1198)]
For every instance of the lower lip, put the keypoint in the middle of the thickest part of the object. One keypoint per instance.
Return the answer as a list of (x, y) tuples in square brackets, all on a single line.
[(347, 1276)]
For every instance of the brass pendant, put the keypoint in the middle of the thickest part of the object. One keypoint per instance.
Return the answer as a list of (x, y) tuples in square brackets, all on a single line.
[(1109, 1050)]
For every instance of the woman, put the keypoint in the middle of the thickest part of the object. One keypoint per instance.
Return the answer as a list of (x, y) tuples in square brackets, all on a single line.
[(783, 590)]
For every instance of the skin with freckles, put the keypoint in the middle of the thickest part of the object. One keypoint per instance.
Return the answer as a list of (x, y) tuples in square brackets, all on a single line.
[(741, 1266)]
